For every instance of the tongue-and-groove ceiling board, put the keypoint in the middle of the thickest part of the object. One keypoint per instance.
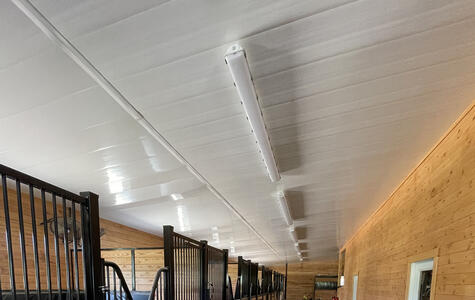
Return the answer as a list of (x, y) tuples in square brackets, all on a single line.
[(354, 94)]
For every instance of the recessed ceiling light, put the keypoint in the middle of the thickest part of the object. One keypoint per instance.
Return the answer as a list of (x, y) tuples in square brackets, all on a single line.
[(177, 196)]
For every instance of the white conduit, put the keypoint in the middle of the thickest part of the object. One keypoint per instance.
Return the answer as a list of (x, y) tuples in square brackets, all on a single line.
[(61, 41)]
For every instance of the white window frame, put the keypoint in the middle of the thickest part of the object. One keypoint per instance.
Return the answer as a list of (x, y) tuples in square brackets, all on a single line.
[(415, 278)]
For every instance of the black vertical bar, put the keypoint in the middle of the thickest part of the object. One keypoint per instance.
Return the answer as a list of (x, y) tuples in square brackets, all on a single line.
[(75, 250), (251, 281), (66, 249), (35, 242), (46, 244), (175, 259), (90, 220), (108, 283), (182, 270), (204, 270), (192, 273), (132, 266), (225, 262), (176, 246), (182, 277), (9, 236), (169, 260), (186, 269), (56, 249), (22, 239), (285, 282), (115, 287)]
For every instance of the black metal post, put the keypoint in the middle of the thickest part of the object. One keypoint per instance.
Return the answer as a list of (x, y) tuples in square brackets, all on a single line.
[(225, 259), (285, 284), (92, 255), (169, 260), (204, 271), (132, 265)]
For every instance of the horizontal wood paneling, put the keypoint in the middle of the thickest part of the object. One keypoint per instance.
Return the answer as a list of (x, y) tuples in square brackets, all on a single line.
[(233, 273), (123, 259), (433, 208), (147, 263)]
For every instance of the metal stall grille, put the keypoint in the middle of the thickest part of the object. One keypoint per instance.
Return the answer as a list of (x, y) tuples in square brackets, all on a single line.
[(183, 258), (253, 279), (159, 286), (44, 227), (244, 275), (217, 272), (115, 286), (266, 282), (196, 271)]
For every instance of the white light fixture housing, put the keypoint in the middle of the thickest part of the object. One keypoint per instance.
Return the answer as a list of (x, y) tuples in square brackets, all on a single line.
[(177, 196), (284, 209), (236, 60), (293, 234)]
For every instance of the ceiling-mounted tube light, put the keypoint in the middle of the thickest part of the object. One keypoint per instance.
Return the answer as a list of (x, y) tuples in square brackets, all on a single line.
[(236, 60), (293, 234), (284, 209)]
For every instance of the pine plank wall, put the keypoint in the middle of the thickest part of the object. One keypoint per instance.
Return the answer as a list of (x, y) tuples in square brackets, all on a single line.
[(432, 213), (301, 278)]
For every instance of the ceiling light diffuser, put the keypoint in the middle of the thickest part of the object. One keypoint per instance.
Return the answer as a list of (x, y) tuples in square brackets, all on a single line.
[(236, 60), (293, 234), (177, 197), (284, 209)]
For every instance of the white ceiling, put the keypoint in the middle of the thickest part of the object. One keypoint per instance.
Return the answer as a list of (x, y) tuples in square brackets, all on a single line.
[(354, 94)]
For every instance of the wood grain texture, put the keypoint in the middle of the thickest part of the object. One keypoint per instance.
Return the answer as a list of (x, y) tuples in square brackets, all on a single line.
[(147, 263), (121, 236), (301, 277), (433, 208)]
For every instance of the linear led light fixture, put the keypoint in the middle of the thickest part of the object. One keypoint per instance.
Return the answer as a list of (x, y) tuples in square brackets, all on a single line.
[(293, 234), (236, 60), (297, 247), (69, 49), (284, 209)]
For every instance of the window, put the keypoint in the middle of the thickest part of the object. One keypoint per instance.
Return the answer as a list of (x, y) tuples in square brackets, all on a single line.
[(421, 280), (355, 286), (341, 268)]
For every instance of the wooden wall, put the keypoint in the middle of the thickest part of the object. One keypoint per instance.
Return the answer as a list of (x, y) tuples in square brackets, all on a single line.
[(301, 278), (121, 236), (147, 263), (233, 273), (432, 211)]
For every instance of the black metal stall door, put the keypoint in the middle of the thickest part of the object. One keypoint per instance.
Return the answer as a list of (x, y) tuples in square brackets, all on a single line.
[(45, 227), (196, 271)]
